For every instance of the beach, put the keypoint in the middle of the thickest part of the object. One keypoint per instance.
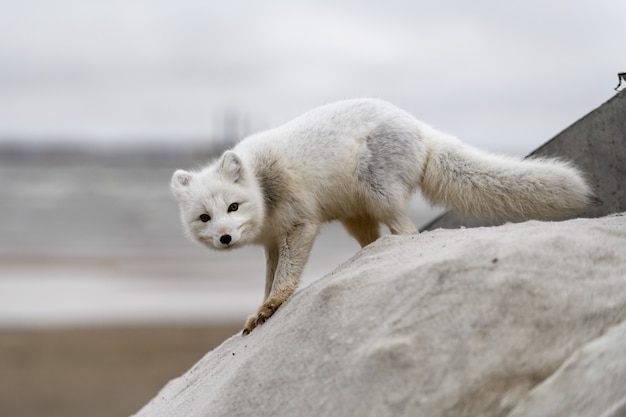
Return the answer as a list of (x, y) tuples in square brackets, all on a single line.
[(96, 371)]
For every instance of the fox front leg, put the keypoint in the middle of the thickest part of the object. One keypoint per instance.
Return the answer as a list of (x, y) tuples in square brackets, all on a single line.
[(293, 251), (271, 262)]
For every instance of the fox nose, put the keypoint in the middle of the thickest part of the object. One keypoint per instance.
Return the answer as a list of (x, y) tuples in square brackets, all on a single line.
[(225, 239)]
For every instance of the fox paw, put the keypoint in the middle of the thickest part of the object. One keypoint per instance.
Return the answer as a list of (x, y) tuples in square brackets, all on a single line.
[(265, 312)]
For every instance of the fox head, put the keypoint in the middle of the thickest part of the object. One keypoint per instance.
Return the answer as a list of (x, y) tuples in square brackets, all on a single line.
[(222, 205)]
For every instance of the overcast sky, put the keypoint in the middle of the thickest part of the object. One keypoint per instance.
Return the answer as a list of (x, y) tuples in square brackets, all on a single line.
[(502, 75)]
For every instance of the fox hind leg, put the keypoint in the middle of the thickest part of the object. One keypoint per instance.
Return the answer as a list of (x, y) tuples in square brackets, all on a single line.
[(364, 230), (401, 224)]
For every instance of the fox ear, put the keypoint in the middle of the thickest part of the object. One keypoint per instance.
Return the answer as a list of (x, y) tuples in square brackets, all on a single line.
[(231, 167), (180, 181)]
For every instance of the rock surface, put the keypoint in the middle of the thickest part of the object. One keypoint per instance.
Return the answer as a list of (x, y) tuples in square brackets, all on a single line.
[(523, 319)]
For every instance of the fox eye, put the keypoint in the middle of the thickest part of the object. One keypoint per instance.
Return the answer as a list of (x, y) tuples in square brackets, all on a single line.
[(205, 217), (233, 207)]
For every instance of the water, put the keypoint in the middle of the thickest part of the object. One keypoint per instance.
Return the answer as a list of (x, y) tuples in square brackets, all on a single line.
[(87, 202), (88, 239)]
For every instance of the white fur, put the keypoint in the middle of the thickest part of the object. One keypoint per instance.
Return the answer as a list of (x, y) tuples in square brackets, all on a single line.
[(356, 161)]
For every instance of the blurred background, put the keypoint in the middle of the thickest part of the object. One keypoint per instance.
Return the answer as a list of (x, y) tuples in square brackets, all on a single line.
[(102, 298)]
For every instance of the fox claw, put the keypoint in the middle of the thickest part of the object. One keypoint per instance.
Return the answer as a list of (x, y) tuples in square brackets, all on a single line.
[(265, 312)]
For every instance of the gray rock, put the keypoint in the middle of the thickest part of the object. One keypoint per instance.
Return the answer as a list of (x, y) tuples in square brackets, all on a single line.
[(523, 319)]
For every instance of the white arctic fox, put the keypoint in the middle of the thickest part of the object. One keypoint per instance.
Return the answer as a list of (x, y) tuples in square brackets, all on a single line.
[(356, 161)]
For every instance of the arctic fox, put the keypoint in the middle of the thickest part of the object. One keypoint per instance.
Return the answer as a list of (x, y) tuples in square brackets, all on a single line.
[(356, 161)]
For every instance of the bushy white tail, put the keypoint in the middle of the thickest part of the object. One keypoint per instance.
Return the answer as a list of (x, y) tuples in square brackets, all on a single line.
[(481, 184)]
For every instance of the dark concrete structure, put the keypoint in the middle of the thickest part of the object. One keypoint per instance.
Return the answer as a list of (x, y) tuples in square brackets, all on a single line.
[(596, 144)]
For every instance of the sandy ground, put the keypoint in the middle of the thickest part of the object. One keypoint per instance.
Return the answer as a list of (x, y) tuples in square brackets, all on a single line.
[(96, 372)]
